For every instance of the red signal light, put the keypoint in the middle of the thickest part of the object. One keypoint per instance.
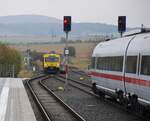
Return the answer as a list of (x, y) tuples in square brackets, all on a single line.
[(65, 21)]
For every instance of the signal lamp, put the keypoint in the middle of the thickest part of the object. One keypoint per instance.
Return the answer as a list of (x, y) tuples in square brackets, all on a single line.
[(67, 23)]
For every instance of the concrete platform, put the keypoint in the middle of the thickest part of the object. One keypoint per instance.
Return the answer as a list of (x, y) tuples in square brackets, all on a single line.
[(14, 102)]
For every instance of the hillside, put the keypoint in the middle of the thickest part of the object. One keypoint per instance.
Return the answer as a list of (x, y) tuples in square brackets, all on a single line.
[(44, 25), (22, 19)]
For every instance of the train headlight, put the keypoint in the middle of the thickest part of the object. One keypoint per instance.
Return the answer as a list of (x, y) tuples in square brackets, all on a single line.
[(81, 78), (45, 65)]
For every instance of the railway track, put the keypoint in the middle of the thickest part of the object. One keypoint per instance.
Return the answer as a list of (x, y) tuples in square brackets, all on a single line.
[(78, 84), (51, 106), (77, 71), (80, 75), (87, 89), (85, 103)]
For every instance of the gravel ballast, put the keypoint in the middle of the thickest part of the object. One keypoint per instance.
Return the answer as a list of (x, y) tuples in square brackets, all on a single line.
[(89, 107)]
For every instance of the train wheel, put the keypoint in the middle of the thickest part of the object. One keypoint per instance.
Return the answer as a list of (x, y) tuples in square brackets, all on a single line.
[(101, 94), (133, 102), (120, 97), (94, 88)]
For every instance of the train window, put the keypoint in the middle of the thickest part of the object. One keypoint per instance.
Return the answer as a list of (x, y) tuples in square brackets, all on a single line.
[(110, 63), (93, 62), (145, 65), (51, 59), (117, 63), (131, 64)]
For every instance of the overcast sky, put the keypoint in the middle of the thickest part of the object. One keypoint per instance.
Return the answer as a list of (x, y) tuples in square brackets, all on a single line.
[(105, 11)]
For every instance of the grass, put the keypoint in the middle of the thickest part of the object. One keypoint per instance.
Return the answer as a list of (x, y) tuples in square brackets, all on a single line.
[(81, 63), (83, 51), (26, 74)]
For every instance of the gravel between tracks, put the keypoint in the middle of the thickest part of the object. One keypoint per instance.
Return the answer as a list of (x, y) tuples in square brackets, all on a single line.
[(81, 78), (91, 108)]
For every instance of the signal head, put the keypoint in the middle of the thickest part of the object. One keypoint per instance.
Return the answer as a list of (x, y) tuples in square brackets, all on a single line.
[(67, 23), (122, 23)]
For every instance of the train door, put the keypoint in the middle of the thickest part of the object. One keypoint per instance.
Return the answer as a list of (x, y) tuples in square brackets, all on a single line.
[(144, 77), (131, 74)]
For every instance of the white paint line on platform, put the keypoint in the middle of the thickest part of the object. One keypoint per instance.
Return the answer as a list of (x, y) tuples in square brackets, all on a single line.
[(3, 101)]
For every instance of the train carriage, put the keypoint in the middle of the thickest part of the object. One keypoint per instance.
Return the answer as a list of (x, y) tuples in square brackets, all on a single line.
[(122, 67), (51, 63)]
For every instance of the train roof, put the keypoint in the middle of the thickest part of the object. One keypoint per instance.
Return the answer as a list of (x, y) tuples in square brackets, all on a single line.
[(140, 44)]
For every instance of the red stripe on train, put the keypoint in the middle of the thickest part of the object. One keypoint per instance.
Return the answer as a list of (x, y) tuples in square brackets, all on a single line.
[(140, 82)]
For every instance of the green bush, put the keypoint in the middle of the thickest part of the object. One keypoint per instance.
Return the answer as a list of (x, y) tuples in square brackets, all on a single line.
[(9, 56), (72, 51)]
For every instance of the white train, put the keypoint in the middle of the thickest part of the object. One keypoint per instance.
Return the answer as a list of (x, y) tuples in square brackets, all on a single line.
[(121, 67)]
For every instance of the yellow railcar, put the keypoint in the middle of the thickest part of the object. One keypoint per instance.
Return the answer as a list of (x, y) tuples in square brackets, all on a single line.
[(51, 63)]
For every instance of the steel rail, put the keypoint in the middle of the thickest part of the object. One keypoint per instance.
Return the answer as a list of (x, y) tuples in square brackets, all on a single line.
[(41, 107), (35, 97), (84, 84), (73, 112)]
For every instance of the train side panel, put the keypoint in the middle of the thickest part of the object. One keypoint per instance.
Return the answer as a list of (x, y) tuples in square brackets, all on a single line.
[(134, 77), (104, 80)]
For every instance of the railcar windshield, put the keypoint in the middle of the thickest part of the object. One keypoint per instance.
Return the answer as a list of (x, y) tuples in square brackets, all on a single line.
[(51, 59)]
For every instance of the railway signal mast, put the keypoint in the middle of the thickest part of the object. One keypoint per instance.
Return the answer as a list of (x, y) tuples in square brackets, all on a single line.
[(67, 29), (121, 24)]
